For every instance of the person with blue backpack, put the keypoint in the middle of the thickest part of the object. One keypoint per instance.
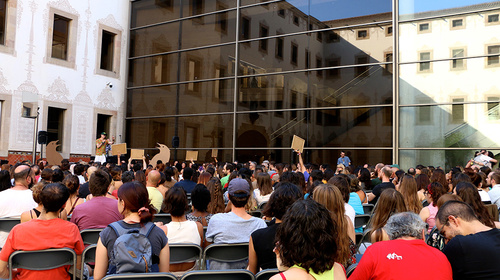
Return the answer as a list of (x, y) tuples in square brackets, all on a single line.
[(134, 244)]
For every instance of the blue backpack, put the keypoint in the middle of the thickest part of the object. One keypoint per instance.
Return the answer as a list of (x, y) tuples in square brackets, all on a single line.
[(132, 250)]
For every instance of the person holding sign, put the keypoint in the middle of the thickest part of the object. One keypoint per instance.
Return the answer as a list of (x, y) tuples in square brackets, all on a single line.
[(100, 151)]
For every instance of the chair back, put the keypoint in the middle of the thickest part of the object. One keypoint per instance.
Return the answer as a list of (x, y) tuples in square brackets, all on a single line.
[(184, 252), (361, 220), (493, 210), (351, 269), (88, 256), (164, 218), (226, 252), (6, 224), (42, 260), (90, 236), (266, 274), (368, 208), (140, 276), (230, 274)]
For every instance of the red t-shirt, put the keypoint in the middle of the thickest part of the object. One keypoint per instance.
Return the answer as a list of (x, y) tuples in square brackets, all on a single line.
[(402, 259), (39, 235)]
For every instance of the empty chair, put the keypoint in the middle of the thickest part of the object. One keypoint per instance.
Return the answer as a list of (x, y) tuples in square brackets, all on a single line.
[(361, 220), (230, 274), (368, 208), (42, 260), (266, 274), (6, 224), (140, 276), (90, 236), (225, 253), (184, 252), (88, 256), (164, 218)]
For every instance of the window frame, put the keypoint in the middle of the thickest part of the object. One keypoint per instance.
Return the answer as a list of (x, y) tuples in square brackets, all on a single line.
[(420, 31), (487, 59), (8, 45), (115, 72), (487, 22), (263, 42), (457, 27), (455, 99), (419, 64), (72, 39), (461, 58), (363, 38)]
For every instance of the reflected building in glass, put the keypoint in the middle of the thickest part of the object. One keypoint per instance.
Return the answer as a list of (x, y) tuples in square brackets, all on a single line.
[(244, 76)]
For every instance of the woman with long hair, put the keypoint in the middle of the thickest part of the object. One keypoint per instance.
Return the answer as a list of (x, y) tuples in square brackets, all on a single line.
[(264, 188), (200, 199), (408, 188), (428, 214), (306, 244), (331, 197), (216, 204), (469, 194), (365, 179), (73, 184), (439, 176), (204, 178), (134, 205), (389, 203), (422, 183)]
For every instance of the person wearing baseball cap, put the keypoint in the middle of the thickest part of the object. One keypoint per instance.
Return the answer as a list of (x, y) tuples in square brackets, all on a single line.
[(235, 226)]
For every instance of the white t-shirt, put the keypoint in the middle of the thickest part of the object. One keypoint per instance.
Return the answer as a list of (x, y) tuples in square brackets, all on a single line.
[(484, 195), (484, 159), (349, 211), (259, 198), (12, 204), (183, 232)]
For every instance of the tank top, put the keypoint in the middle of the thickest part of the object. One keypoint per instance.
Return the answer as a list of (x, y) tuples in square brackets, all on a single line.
[(328, 274), (431, 221), (183, 232)]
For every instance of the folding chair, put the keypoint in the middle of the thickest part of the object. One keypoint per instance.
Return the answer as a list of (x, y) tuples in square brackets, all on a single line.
[(262, 205), (6, 224), (365, 238), (351, 269), (185, 252), (140, 276), (225, 253), (493, 210), (368, 208), (361, 220), (90, 236), (43, 260), (230, 274), (266, 274), (164, 218), (88, 256)]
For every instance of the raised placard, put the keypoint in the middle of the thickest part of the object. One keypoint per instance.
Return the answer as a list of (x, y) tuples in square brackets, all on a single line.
[(119, 149), (214, 153), (191, 155), (298, 143), (136, 153)]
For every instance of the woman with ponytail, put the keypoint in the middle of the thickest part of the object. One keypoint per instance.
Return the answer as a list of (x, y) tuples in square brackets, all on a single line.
[(134, 205)]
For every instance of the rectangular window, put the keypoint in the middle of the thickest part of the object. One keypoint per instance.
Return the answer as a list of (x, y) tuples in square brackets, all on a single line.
[(194, 73), (424, 66), (279, 47), (388, 31), (295, 53), (333, 37), (293, 104), (493, 60), (362, 71), (424, 27), (492, 18), (107, 50), (308, 59), (55, 125), (333, 73), (458, 64), (263, 32), (388, 57), (160, 69), (493, 108), (319, 64), (296, 20), (319, 36), (221, 19), (424, 114), (3, 14), (457, 110), (281, 13), (196, 7), (362, 34), (457, 23), (60, 37), (245, 28)]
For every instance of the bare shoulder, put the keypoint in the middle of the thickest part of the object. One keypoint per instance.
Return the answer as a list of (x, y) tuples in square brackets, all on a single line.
[(338, 272)]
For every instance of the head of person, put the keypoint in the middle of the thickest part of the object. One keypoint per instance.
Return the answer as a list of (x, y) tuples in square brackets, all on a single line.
[(228, 168), (176, 202), (153, 178), (187, 173), (405, 225), (23, 175), (330, 197), (469, 194), (140, 177), (47, 174), (411, 171), (343, 185), (281, 199), (452, 216), (37, 189), (385, 173), (57, 175), (133, 198), (53, 197), (78, 169), (116, 173), (493, 178), (216, 204), (99, 183), (128, 176), (5, 182), (445, 198), (408, 188), (389, 203), (422, 181), (340, 168), (342, 154), (239, 192), (265, 184), (434, 191), (204, 178), (200, 198), (307, 237), (72, 183), (103, 135)]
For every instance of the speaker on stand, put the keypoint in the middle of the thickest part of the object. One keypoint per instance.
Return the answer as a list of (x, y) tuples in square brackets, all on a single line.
[(43, 139)]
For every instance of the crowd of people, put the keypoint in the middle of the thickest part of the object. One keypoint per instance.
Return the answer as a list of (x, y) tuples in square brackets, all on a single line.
[(299, 218)]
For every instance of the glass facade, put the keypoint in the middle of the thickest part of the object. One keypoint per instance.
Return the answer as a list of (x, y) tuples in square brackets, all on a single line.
[(244, 76)]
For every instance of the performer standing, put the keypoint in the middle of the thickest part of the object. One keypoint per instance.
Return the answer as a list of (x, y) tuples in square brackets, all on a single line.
[(100, 151)]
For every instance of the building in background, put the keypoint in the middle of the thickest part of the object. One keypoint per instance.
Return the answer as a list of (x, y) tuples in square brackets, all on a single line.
[(69, 57)]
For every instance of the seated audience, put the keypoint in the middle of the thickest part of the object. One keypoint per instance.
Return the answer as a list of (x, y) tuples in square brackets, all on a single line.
[(473, 248), (48, 231), (186, 183), (200, 199), (152, 180), (434, 191), (264, 188), (134, 205), (408, 188), (385, 176), (405, 256), (35, 212), (72, 183), (391, 202), (84, 190), (306, 244), (261, 245), (235, 226), (470, 195)]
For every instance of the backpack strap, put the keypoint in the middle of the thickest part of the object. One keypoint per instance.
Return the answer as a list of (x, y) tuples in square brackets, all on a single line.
[(147, 228), (121, 230)]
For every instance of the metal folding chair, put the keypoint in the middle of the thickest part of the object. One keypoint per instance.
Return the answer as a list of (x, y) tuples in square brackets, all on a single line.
[(230, 274), (164, 218), (6, 224), (368, 208), (43, 260), (225, 253), (90, 236), (361, 220), (88, 256), (266, 274), (140, 276), (185, 252)]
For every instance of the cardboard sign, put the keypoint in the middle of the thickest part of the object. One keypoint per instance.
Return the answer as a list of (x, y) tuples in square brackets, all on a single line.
[(298, 143), (215, 152), (119, 149), (163, 155), (191, 155), (136, 154), (53, 156)]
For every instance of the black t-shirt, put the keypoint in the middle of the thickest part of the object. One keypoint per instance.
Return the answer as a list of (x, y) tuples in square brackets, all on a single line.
[(263, 243), (84, 190), (475, 256), (378, 189)]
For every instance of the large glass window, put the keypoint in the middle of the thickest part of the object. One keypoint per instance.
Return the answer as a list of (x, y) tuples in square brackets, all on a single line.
[(60, 37)]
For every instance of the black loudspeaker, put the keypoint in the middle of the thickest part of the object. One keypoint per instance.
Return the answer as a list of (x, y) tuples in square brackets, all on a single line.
[(175, 142), (43, 137)]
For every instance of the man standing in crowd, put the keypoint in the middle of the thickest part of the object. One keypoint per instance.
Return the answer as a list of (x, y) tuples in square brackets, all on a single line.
[(19, 198), (384, 175), (473, 248), (100, 151), (154, 194), (100, 211), (343, 159), (493, 180), (48, 231), (405, 256)]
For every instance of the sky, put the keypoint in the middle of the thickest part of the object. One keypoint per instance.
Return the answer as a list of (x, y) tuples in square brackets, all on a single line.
[(336, 9)]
